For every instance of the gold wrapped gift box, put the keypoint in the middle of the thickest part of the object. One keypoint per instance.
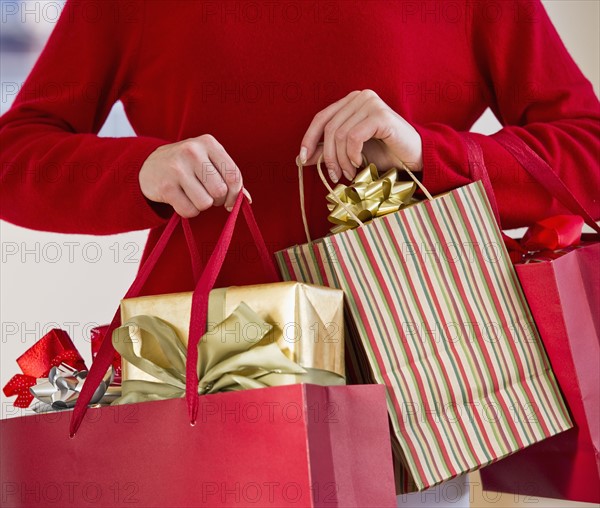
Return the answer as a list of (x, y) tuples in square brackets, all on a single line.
[(307, 323)]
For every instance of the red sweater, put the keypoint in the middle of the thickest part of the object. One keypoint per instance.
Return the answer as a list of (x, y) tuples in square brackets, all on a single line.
[(254, 75)]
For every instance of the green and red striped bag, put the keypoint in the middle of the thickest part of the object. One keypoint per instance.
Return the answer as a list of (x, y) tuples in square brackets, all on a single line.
[(435, 312)]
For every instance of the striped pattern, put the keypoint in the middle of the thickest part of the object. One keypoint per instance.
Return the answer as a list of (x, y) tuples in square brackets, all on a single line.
[(439, 314)]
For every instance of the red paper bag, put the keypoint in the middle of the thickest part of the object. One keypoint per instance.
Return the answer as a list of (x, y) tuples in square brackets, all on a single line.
[(564, 297), (296, 445)]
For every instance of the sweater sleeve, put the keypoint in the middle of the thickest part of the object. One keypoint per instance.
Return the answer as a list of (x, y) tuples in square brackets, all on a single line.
[(539, 94), (56, 173)]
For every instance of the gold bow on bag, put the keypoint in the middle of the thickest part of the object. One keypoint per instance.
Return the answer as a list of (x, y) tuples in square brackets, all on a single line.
[(368, 196), (225, 363)]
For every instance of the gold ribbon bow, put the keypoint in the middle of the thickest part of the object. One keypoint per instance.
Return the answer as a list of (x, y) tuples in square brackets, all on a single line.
[(227, 361), (368, 196)]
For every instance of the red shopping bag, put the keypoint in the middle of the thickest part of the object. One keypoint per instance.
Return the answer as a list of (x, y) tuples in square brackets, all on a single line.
[(297, 445), (564, 297)]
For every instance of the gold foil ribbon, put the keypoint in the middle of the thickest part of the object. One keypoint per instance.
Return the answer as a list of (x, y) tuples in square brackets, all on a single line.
[(229, 358), (367, 197)]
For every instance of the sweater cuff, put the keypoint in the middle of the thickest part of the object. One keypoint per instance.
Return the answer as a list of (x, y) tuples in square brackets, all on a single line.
[(148, 214), (445, 161)]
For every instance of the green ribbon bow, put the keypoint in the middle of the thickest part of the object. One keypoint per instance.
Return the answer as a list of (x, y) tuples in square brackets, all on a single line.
[(227, 361), (368, 196)]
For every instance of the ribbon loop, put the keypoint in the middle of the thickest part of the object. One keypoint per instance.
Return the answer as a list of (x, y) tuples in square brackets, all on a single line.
[(367, 197), (545, 237), (53, 372), (231, 356), (62, 388)]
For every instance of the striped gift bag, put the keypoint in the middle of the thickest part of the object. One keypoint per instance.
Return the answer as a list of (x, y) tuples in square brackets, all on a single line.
[(435, 312)]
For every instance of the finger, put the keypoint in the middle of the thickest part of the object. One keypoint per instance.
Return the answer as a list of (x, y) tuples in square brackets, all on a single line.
[(229, 172), (180, 202), (210, 178), (362, 131), (315, 156), (349, 165), (313, 160), (334, 142), (194, 172), (247, 194), (316, 128), (196, 192)]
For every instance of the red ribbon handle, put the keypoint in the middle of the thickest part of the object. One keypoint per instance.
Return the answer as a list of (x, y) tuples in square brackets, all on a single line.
[(531, 162), (106, 353), (206, 283), (199, 303)]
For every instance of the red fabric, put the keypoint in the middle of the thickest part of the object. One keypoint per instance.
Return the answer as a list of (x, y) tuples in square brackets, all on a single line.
[(254, 75)]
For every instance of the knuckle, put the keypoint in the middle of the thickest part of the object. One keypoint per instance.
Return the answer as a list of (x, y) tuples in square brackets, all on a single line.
[(188, 148), (205, 171), (178, 172), (187, 211), (166, 189), (219, 192), (232, 177), (329, 129), (353, 138), (369, 94), (340, 135), (205, 203), (319, 116), (208, 140), (386, 116)]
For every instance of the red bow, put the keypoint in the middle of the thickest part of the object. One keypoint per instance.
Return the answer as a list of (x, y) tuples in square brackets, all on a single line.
[(546, 237), (50, 351)]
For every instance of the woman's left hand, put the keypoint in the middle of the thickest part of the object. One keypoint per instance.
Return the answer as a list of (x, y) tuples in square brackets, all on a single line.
[(360, 122)]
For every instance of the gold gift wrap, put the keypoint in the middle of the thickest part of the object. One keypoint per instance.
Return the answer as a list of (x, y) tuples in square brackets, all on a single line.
[(307, 323)]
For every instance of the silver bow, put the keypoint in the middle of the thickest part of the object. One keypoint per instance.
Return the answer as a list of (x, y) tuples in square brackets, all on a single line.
[(62, 387)]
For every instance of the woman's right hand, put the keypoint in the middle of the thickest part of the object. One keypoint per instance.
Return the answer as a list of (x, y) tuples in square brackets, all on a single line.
[(191, 176)]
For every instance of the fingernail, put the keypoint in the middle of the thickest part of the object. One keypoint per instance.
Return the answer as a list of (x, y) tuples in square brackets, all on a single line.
[(229, 208), (247, 194), (355, 165), (303, 154), (333, 176), (347, 175)]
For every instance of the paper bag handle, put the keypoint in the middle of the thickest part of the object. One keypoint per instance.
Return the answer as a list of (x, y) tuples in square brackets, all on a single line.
[(354, 217), (106, 352)]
